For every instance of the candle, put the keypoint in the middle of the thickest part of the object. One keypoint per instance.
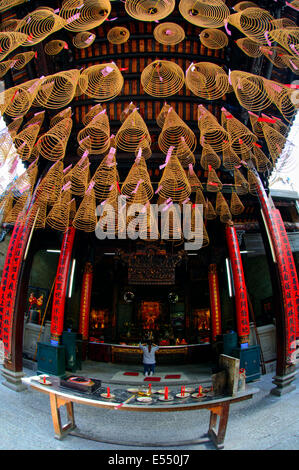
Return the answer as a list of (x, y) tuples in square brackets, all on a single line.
[(44, 379), (199, 390), (182, 390), (149, 388), (166, 393), (108, 392)]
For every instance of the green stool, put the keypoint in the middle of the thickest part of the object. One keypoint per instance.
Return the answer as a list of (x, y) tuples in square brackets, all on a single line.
[(50, 359)]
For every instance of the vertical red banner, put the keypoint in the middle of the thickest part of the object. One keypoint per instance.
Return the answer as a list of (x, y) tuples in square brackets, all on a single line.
[(85, 301), (243, 328), (214, 301), (59, 294)]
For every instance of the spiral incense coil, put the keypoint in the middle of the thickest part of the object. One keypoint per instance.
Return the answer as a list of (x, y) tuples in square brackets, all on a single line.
[(50, 187), (250, 90), (239, 135), (5, 66), (148, 227), (169, 34), (229, 158), (291, 62), (9, 41), (211, 133), (194, 231), (281, 23), (80, 176), (275, 141), (263, 163), (22, 59), (38, 215), (288, 103), (145, 147), (236, 206), (220, 200), (104, 81), (98, 131), (6, 204), (27, 179), (83, 39), (204, 13), (209, 158), (210, 212), (225, 214), (207, 80), (213, 38), (128, 110), (173, 131), (162, 115), (171, 227), (193, 180), (37, 118), (243, 5), (200, 199), (14, 126), (184, 154), (174, 183), (249, 47), (85, 218), (25, 140), (253, 23), (106, 177), (162, 78), (92, 113), (213, 183), (65, 113), (19, 99), (55, 46), (149, 10), (118, 35), (7, 148), (59, 216), (112, 218), (39, 24), (138, 176), (240, 183), (253, 183), (80, 15), (9, 25), (275, 55), (20, 205), (287, 38), (58, 90), (132, 132), (52, 145)]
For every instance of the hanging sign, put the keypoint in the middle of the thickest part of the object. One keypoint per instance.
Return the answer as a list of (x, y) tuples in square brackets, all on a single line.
[(85, 301), (215, 301)]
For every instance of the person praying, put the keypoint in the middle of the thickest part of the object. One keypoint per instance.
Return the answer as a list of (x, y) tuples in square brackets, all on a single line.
[(149, 357)]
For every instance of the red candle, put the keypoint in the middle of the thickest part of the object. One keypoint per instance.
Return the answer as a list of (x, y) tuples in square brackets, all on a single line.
[(44, 379), (182, 390), (166, 393), (108, 392), (199, 390), (150, 388)]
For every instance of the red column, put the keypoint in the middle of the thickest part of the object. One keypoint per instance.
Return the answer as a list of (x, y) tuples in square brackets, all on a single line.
[(214, 301), (59, 294), (85, 301), (243, 328)]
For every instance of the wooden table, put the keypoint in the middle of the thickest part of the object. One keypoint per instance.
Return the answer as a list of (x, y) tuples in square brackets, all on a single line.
[(61, 397)]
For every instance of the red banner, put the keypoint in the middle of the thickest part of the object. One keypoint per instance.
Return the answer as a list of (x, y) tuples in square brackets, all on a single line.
[(85, 301), (243, 328), (215, 301), (59, 294)]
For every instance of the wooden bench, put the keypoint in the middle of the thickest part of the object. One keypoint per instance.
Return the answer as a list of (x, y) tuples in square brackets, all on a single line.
[(61, 397)]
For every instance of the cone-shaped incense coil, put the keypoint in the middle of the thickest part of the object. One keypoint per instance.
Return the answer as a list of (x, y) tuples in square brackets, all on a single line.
[(204, 13), (118, 35), (213, 38), (174, 183), (6, 204), (288, 103), (253, 182), (162, 115), (83, 39), (132, 132), (262, 162), (20, 205), (50, 187), (209, 157), (194, 228), (173, 131), (9, 41), (138, 176), (220, 200), (14, 126), (149, 10), (280, 126), (207, 80), (210, 212), (275, 55), (225, 214), (66, 113), (85, 218), (250, 90), (5, 67), (239, 135), (236, 206), (148, 227), (38, 214), (169, 34), (162, 78), (26, 180), (59, 216), (256, 124), (241, 184), (25, 140), (6, 146), (98, 131), (82, 15), (55, 46), (184, 154), (229, 158), (287, 38), (52, 145), (58, 90), (22, 59), (39, 24), (291, 62), (80, 176), (275, 141), (171, 226), (9, 24), (194, 182), (106, 177), (281, 23), (249, 47), (211, 133), (93, 112), (104, 81), (253, 23), (19, 99), (128, 110), (145, 147), (213, 183), (243, 5)]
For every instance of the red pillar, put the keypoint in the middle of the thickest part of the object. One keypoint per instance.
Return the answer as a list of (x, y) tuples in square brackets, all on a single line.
[(85, 301), (214, 301), (57, 319), (243, 328)]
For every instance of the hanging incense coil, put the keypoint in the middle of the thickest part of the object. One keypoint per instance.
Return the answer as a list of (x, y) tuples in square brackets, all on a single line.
[(162, 115), (173, 131), (287, 38), (6, 204), (288, 103), (171, 227), (18, 100), (210, 213), (281, 23), (118, 35), (209, 158), (22, 59), (220, 200), (9, 41), (52, 145), (193, 180), (236, 206), (14, 126), (128, 110), (86, 218), (250, 90), (50, 187), (275, 55), (253, 182), (169, 34), (39, 24), (280, 126), (80, 15), (7, 147), (229, 158), (148, 229), (25, 140), (132, 132), (27, 179), (243, 5), (275, 141), (200, 200), (213, 183), (138, 176), (104, 81), (162, 78), (9, 25), (55, 46), (184, 154), (59, 216), (98, 131), (58, 90), (174, 183), (249, 47), (207, 80), (291, 62), (80, 176), (225, 214), (204, 13), (213, 38), (20, 206), (149, 10), (194, 228), (145, 147), (239, 135), (38, 215), (5, 66), (83, 39), (106, 177), (66, 113), (38, 118), (211, 133), (240, 183), (263, 163), (93, 112), (112, 216), (253, 23)]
